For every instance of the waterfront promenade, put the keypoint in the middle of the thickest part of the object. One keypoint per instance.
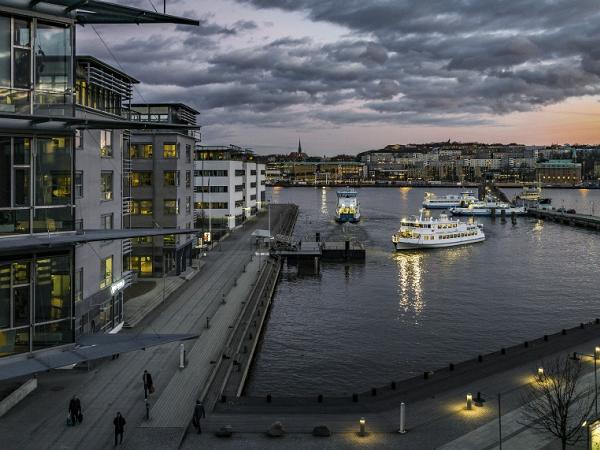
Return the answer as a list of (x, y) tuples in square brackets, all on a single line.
[(116, 385), (436, 417)]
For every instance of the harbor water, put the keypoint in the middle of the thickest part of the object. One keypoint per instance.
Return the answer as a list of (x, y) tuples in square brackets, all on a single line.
[(359, 325)]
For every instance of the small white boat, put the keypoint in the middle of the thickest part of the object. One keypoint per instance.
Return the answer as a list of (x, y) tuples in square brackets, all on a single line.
[(488, 208), (417, 232), (432, 201)]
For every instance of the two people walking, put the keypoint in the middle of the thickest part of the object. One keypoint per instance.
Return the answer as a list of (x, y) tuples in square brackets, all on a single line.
[(74, 411)]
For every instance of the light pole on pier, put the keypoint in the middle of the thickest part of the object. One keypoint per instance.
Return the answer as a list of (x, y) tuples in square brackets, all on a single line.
[(595, 358)]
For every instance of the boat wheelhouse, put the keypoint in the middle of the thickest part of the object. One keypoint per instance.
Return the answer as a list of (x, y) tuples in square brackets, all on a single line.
[(348, 206)]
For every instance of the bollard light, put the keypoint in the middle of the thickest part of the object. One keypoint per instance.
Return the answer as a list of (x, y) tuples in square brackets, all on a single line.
[(597, 352), (540, 373), (469, 401), (362, 422)]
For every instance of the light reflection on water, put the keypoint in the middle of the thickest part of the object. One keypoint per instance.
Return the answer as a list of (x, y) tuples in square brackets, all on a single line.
[(361, 325)]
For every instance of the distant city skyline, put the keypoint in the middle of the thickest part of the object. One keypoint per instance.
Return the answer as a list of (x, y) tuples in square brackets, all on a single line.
[(348, 76)]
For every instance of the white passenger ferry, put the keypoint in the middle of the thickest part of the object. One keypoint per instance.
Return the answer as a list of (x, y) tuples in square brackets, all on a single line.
[(417, 232), (487, 208), (432, 201)]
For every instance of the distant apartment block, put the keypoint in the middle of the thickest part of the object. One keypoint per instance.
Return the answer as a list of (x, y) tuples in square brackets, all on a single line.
[(162, 188), (229, 187)]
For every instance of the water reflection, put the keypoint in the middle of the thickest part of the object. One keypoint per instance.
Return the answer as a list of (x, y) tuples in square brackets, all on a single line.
[(324, 210), (410, 281)]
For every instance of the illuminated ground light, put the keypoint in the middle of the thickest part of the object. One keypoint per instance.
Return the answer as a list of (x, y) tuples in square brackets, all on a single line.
[(475, 413)]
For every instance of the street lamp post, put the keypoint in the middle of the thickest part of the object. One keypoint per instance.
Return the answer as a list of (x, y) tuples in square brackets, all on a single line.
[(595, 358)]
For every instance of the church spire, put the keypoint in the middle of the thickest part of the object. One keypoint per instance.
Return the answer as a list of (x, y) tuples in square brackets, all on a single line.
[(299, 147)]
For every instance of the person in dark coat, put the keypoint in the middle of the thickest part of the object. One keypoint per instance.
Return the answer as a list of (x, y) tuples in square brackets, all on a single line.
[(74, 410), (78, 409), (199, 413), (119, 424), (148, 385)]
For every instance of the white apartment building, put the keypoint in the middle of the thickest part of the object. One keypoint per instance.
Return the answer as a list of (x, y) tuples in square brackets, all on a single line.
[(229, 187)]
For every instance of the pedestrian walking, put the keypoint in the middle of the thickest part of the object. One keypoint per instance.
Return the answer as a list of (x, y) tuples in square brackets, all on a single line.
[(199, 413), (119, 424), (75, 411), (148, 384)]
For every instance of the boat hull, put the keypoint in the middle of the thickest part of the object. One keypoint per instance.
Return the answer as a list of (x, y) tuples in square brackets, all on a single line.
[(486, 212), (441, 205), (400, 246), (351, 218)]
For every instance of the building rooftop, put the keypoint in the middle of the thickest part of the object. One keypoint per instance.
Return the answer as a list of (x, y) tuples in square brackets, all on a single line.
[(106, 67), (96, 12)]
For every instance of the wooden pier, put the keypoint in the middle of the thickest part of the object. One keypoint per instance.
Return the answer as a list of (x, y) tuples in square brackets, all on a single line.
[(575, 220)]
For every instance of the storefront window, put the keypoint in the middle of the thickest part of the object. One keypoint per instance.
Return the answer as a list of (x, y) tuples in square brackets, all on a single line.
[(4, 51), (53, 171), (53, 289), (4, 298), (52, 334), (53, 220), (14, 341), (5, 166), (142, 264)]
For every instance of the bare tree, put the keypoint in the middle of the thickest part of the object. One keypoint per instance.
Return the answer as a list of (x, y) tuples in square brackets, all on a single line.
[(557, 402)]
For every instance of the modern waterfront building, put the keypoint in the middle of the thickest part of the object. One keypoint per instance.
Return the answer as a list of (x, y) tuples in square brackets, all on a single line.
[(38, 123), (229, 187), (102, 195), (162, 188), (559, 172)]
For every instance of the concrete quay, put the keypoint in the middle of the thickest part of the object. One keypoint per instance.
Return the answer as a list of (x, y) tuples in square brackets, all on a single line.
[(576, 220), (39, 421), (436, 412)]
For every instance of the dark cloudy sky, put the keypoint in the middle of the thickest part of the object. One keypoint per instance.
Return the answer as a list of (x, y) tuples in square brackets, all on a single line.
[(350, 75)]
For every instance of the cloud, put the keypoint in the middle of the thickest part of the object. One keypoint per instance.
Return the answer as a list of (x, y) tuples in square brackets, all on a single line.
[(436, 62)]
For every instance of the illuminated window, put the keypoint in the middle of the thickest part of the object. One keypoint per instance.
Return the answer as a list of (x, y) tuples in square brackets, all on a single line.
[(141, 207), (106, 272), (106, 150), (141, 179), (106, 185), (141, 264), (140, 151), (171, 207), (171, 178), (169, 240), (169, 150)]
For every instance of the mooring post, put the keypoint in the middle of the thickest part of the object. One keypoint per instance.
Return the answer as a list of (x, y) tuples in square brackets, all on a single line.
[(402, 429), (181, 356)]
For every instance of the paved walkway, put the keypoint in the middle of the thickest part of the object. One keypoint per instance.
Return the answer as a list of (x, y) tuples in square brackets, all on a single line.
[(116, 385), (439, 421)]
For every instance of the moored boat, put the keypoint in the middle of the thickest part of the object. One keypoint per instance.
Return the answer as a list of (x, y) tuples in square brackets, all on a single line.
[(488, 208), (433, 201), (419, 233)]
